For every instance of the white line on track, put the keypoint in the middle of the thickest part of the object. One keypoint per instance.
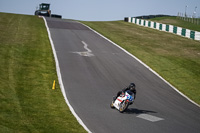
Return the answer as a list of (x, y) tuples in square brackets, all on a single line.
[(85, 53), (145, 66), (86, 46), (150, 117), (60, 80)]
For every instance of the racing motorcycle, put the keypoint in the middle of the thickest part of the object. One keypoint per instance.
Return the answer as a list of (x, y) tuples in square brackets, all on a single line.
[(122, 102)]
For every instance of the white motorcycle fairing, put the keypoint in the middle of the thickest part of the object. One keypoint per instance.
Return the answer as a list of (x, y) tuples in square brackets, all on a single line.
[(120, 99)]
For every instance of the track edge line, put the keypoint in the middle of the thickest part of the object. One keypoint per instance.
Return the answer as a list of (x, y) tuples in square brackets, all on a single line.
[(60, 79), (144, 65)]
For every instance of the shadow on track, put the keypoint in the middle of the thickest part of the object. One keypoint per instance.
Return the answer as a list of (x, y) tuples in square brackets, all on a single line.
[(138, 111)]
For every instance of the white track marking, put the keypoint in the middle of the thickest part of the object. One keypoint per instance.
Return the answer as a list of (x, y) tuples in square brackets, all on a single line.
[(150, 117), (86, 46), (145, 66), (60, 80), (85, 53)]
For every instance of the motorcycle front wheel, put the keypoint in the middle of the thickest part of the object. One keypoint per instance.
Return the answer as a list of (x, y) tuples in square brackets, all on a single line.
[(123, 106), (111, 105)]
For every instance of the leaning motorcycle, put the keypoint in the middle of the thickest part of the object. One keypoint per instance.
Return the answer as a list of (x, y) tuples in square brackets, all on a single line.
[(122, 102)]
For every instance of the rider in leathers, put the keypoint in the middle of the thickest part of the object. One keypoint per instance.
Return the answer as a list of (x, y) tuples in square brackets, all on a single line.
[(132, 89)]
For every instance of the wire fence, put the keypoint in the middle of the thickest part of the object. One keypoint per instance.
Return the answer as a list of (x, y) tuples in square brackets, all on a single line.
[(189, 18)]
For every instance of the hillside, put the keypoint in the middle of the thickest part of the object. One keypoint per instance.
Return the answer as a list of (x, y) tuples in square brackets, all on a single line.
[(27, 102)]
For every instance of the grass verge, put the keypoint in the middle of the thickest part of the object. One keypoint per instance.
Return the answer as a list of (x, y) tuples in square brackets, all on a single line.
[(28, 104), (175, 58)]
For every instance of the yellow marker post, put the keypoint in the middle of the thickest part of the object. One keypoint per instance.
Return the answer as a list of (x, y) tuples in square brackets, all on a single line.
[(54, 85)]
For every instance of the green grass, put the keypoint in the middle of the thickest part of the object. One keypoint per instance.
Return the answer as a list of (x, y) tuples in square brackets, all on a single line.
[(175, 58), (27, 71), (177, 22)]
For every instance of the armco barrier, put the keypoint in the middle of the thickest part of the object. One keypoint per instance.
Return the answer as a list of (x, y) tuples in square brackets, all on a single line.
[(195, 35)]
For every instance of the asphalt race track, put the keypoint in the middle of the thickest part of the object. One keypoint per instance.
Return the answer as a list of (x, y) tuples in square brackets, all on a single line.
[(94, 70)]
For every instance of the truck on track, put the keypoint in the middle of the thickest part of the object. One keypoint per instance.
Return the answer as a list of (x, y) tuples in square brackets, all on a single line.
[(44, 10)]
